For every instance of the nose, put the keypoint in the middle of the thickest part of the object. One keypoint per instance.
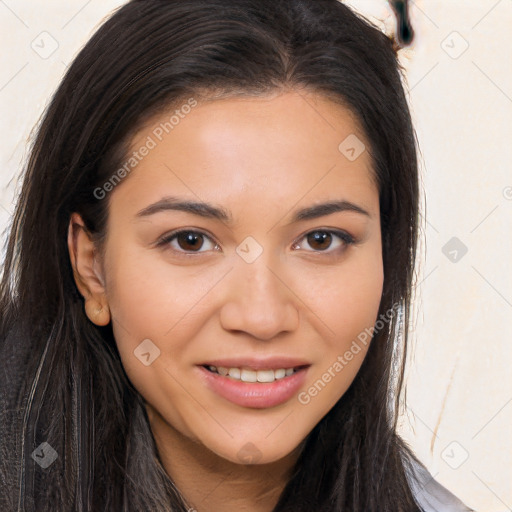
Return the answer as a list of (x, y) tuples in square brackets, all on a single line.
[(258, 301)]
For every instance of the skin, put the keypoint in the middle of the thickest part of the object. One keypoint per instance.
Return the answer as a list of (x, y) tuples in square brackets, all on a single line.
[(261, 158)]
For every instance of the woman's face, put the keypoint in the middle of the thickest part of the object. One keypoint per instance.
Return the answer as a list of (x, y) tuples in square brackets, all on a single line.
[(261, 277)]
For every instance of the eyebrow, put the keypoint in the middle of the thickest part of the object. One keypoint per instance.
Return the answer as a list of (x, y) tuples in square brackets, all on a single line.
[(210, 211)]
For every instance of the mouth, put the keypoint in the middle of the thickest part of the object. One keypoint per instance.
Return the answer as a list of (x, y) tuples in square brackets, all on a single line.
[(254, 384), (245, 374)]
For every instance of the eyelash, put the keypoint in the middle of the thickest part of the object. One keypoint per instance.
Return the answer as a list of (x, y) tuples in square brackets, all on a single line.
[(342, 235)]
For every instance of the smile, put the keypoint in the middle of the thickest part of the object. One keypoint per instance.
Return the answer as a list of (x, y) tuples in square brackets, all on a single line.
[(257, 389), (248, 375)]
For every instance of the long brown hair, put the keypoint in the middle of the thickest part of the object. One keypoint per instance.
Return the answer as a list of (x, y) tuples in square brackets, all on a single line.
[(64, 382)]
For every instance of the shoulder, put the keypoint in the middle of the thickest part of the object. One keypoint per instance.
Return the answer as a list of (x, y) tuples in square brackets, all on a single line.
[(430, 495)]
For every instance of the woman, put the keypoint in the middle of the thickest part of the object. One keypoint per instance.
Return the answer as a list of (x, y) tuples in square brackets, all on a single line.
[(208, 278)]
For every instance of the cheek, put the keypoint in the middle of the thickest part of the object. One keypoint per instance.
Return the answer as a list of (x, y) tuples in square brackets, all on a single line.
[(148, 296), (151, 299), (341, 358), (346, 303), (346, 300), (137, 304)]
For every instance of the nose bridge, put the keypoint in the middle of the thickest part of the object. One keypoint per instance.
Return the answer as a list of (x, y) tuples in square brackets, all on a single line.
[(258, 301), (253, 267), (259, 282)]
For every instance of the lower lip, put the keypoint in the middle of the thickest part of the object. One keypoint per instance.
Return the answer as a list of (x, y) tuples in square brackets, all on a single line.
[(254, 394)]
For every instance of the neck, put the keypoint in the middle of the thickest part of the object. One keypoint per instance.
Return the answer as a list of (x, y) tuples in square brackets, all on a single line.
[(210, 483)]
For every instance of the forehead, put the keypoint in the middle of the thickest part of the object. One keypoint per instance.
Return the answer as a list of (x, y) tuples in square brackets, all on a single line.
[(273, 150)]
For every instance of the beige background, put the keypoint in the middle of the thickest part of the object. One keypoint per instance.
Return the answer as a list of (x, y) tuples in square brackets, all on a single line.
[(459, 78)]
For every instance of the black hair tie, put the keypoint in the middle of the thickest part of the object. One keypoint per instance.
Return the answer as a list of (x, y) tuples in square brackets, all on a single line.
[(405, 32)]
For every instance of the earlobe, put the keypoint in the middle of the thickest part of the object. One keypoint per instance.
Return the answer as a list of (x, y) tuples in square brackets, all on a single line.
[(89, 281), (97, 313)]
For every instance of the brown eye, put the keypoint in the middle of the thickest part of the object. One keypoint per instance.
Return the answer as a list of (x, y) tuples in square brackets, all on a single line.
[(188, 241), (322, 239)]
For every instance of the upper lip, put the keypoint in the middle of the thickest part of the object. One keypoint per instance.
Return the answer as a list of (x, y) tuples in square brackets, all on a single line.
[(269, 363)]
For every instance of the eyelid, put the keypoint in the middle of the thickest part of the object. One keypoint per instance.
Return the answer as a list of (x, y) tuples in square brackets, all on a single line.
[(166, 240), (346, 238)]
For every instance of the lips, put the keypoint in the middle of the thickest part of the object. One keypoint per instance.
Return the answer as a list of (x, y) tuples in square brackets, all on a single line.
[(254, 395)]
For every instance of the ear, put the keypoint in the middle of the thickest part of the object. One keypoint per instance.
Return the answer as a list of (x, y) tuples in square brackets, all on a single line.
[(87, 271)]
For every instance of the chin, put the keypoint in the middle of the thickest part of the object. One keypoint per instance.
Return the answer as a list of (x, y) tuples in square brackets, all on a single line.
[(256, 452)]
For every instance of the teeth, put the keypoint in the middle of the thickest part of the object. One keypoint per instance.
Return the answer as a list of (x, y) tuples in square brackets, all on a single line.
[(249, 376), (279, 374), (246, 375), (234, 372)]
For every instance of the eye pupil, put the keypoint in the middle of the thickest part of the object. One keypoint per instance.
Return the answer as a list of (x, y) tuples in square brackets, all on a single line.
[(190, 238), (319, 237)]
